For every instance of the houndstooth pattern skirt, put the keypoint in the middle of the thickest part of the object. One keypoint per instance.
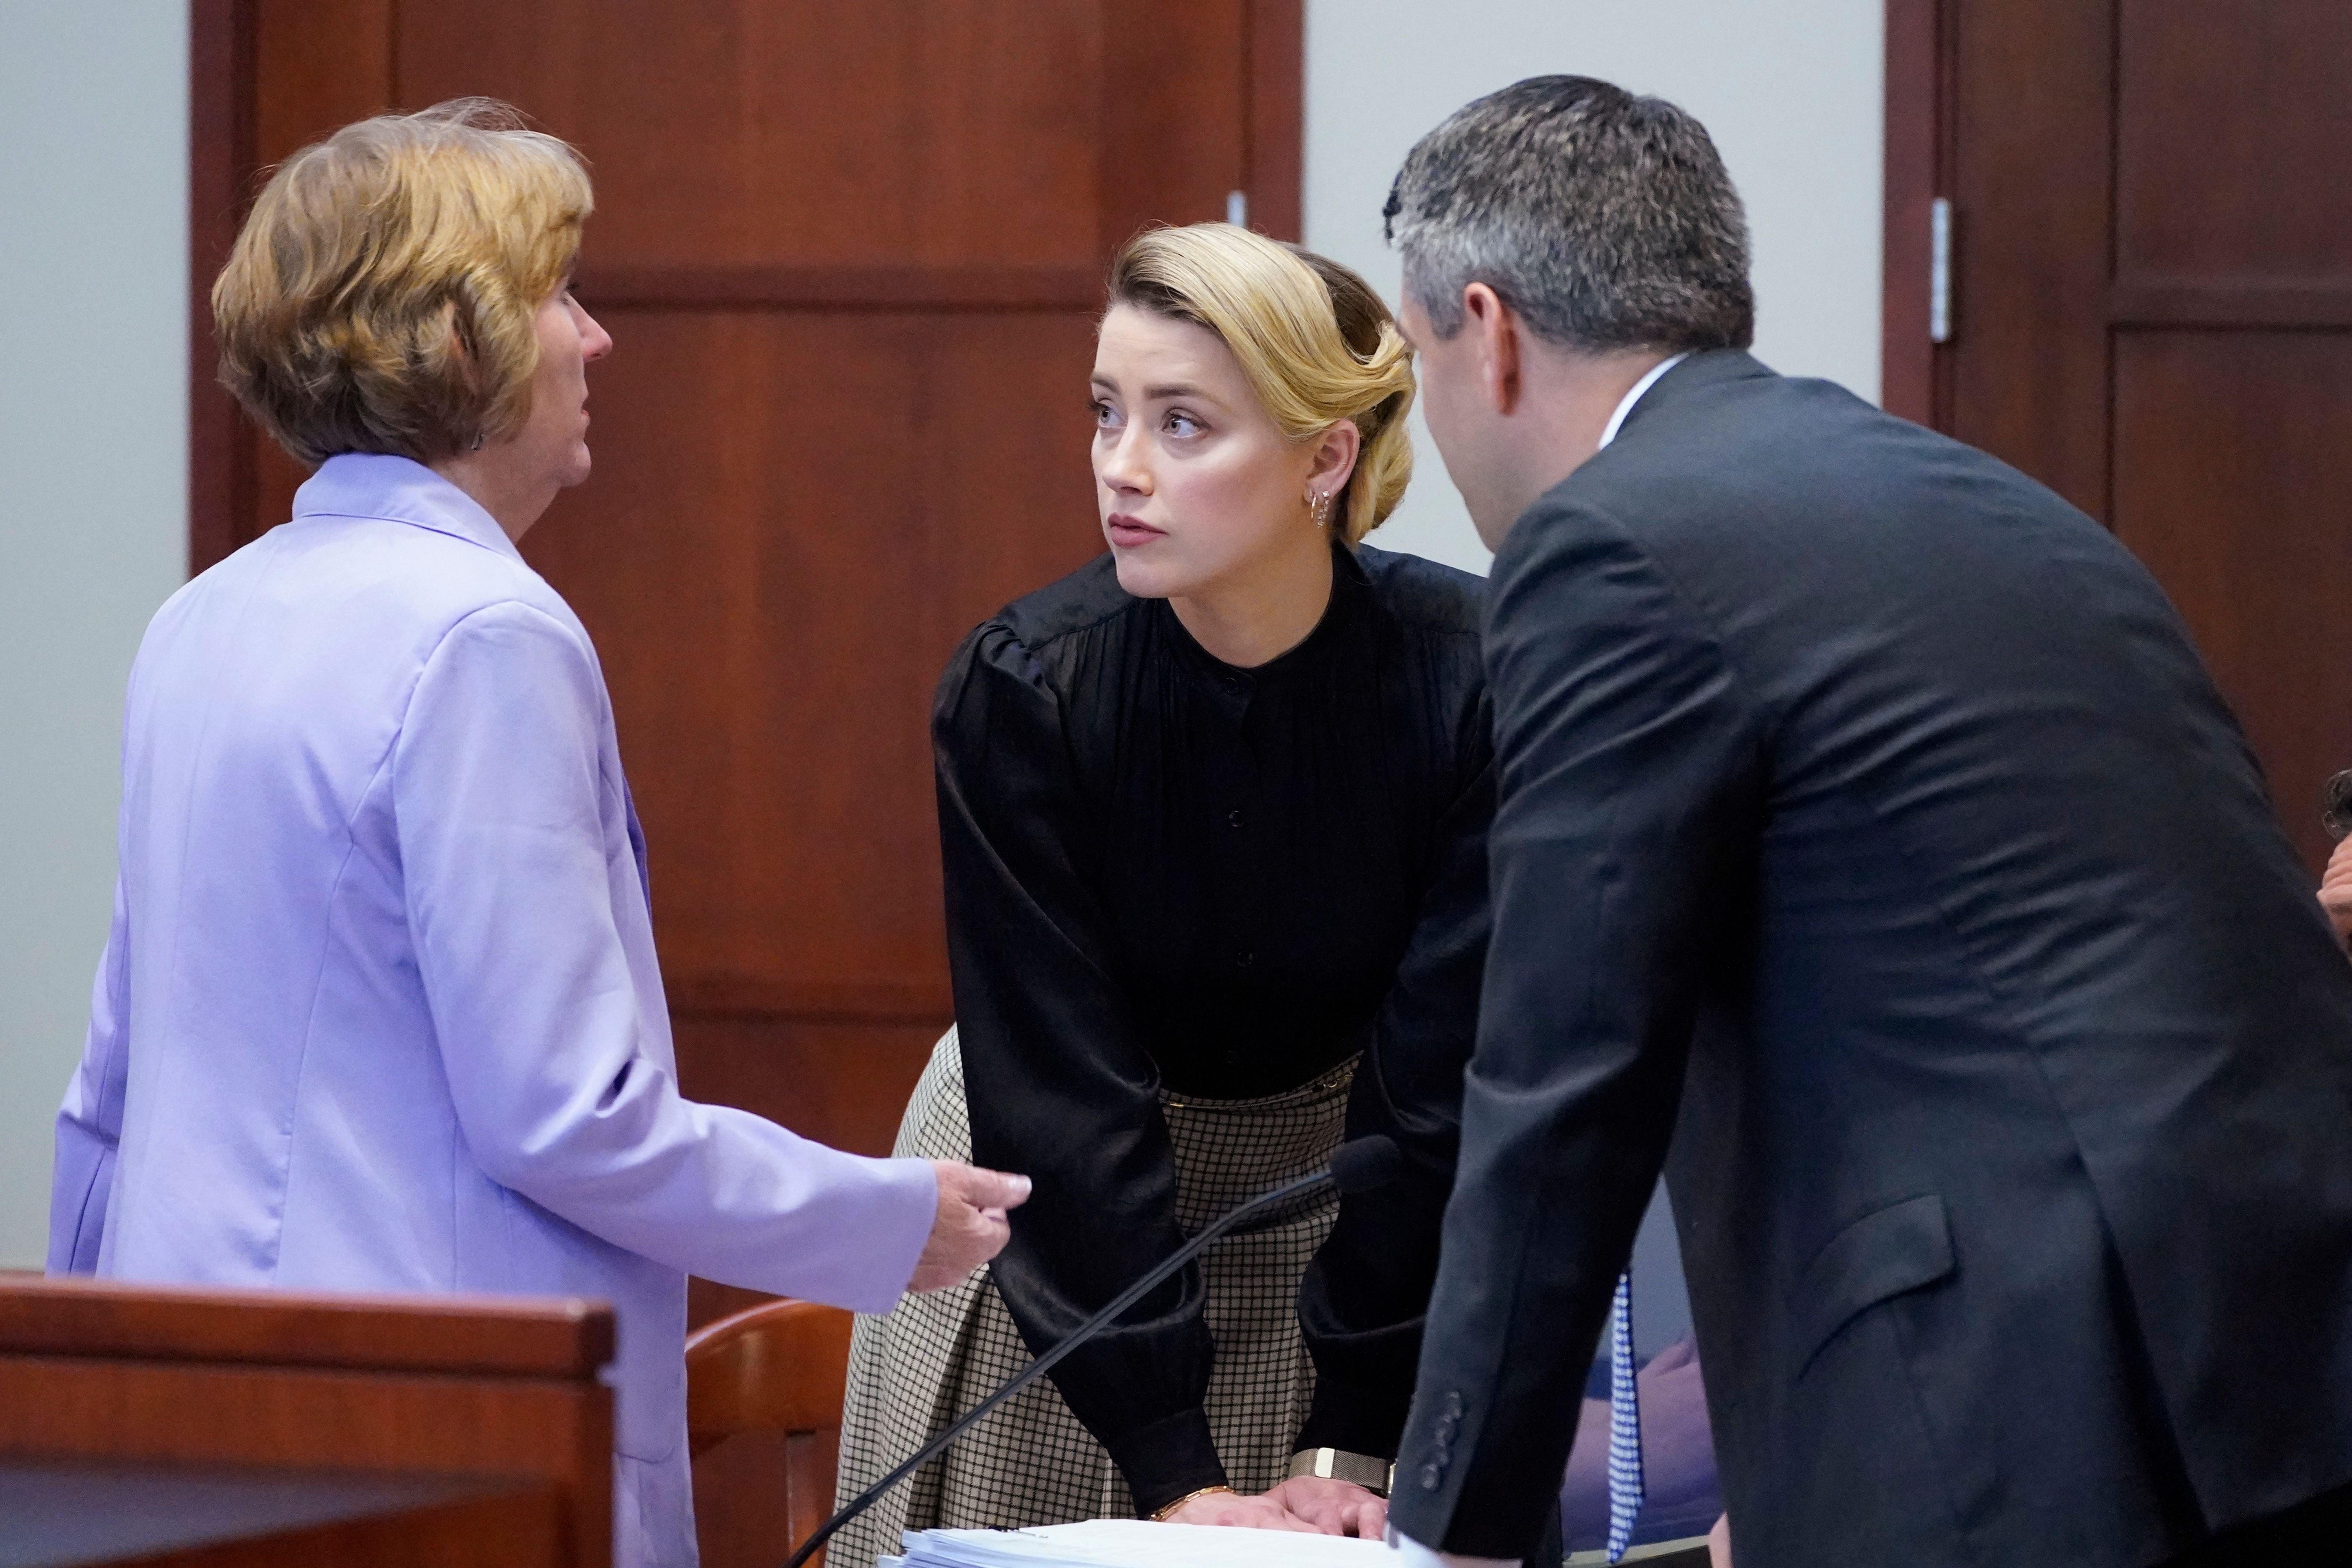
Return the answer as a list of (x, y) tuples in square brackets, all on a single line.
[(913, 1372)]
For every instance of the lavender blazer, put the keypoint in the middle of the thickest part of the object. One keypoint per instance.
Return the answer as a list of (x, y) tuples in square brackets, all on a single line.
[(380, 1009)]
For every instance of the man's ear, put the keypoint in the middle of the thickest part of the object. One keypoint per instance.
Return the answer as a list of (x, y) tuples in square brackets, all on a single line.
[(1497, 342)]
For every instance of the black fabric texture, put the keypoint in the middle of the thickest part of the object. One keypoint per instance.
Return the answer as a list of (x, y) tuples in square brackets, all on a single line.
[(1870, 831), (1164, 870), (1174, 1456)]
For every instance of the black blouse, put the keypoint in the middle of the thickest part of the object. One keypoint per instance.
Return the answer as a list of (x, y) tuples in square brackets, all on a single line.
[(1163, 869)]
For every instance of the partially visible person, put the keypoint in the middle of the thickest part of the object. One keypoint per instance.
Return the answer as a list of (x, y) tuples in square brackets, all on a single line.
[(1868, 828), (379, 1008), (1680, 1495), (1214, 813), (2335, 882)]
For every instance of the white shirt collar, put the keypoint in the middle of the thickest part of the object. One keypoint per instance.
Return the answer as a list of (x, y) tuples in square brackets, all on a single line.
[(1640, 386)]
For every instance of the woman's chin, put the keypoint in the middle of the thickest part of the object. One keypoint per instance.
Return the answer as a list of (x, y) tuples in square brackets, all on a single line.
[(1146, 578)]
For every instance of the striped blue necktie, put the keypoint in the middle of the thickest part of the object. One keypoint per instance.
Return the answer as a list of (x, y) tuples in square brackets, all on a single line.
[(1624, 1424)]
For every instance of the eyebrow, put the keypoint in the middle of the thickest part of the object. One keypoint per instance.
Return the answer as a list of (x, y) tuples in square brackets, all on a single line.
[(1153, 394)]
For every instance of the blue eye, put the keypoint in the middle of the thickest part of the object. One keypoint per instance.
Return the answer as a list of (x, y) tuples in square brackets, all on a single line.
[(1182, 424), (1106, 417)]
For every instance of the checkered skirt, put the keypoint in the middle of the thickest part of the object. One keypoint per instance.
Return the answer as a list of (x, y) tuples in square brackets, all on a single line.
[(913, 1372)]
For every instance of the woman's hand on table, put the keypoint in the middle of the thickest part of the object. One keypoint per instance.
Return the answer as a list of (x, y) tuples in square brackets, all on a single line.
[(1262, 1512), (1335, 1507)]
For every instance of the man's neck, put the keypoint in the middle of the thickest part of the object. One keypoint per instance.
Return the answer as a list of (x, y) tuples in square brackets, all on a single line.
[(1567, 399), (1582, 393)]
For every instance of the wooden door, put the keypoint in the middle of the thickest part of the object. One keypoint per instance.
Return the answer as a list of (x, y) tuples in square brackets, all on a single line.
[(850, 256), (2151, 309)]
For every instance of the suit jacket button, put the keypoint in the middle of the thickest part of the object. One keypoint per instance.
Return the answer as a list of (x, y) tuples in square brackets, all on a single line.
[(1432, 1476)]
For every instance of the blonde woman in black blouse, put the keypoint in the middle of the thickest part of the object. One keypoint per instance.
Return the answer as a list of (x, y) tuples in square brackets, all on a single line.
[(1214, 811)]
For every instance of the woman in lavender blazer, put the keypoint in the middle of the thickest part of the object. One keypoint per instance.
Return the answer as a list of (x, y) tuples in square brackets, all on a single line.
[(379, 1008)]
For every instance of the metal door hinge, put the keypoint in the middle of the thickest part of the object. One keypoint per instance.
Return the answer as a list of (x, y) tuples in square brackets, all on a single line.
[(1939, 270), (1237, 208)]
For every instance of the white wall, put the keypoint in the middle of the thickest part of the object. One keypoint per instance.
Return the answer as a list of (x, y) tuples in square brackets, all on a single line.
[(1789, 89), (93, 503)]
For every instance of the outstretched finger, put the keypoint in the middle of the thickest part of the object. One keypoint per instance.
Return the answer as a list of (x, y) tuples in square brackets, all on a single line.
[(995, 1190)]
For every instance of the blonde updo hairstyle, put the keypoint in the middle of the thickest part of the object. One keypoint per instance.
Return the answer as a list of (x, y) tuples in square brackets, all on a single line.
[(1315, 342), (381, 294)]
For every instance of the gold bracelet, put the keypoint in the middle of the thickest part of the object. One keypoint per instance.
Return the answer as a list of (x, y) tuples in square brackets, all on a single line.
[(1160, 1515)]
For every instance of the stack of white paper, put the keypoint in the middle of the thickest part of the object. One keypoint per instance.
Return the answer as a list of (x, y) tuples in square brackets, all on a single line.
[(1135, 1543)]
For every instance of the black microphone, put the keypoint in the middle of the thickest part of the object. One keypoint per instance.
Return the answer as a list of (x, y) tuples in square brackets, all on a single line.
[(1356, 1167)]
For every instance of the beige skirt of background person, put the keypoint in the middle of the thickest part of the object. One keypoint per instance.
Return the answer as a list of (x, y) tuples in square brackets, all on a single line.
[(913, 1372)]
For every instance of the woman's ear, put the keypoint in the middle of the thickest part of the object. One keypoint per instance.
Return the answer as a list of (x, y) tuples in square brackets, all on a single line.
[(1335, 451)]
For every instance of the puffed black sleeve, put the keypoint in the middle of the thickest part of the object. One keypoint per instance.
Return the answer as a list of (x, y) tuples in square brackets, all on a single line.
[(1364, 1298), (1060, 1088)]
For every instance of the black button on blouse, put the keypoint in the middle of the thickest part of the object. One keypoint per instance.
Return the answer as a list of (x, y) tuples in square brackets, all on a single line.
[(1117, 922)]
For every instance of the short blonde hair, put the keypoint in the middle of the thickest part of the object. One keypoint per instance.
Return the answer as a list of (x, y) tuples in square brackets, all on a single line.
[(1316, 343), (381, 296)]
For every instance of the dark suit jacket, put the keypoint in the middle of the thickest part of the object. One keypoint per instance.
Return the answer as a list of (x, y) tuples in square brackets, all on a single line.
[(1864, 804)]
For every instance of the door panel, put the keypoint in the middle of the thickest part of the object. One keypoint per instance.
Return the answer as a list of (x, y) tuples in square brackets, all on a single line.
[(2153, 314), (851, 256), (795, 517), (941, 132), (2232, 438), (2233, 142), (2028, 368)]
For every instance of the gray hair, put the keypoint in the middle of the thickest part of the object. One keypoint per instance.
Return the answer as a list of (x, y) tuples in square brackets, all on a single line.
[(1605, 220)]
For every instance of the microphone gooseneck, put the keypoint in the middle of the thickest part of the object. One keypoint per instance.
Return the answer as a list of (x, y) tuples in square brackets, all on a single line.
[(1356, 1166)]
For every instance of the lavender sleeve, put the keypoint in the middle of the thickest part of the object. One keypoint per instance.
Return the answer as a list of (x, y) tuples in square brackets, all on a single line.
[(546, 1000), (90, 1123)]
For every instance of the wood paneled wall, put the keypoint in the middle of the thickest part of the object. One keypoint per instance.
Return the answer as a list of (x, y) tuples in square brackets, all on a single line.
[(2152, 309), (850, 256)]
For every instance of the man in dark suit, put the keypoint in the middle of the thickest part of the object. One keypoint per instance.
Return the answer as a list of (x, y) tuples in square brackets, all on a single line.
[(1870, 832)]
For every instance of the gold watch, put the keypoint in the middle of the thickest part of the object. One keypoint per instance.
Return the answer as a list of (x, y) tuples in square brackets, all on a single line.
[(1338, 1465)]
